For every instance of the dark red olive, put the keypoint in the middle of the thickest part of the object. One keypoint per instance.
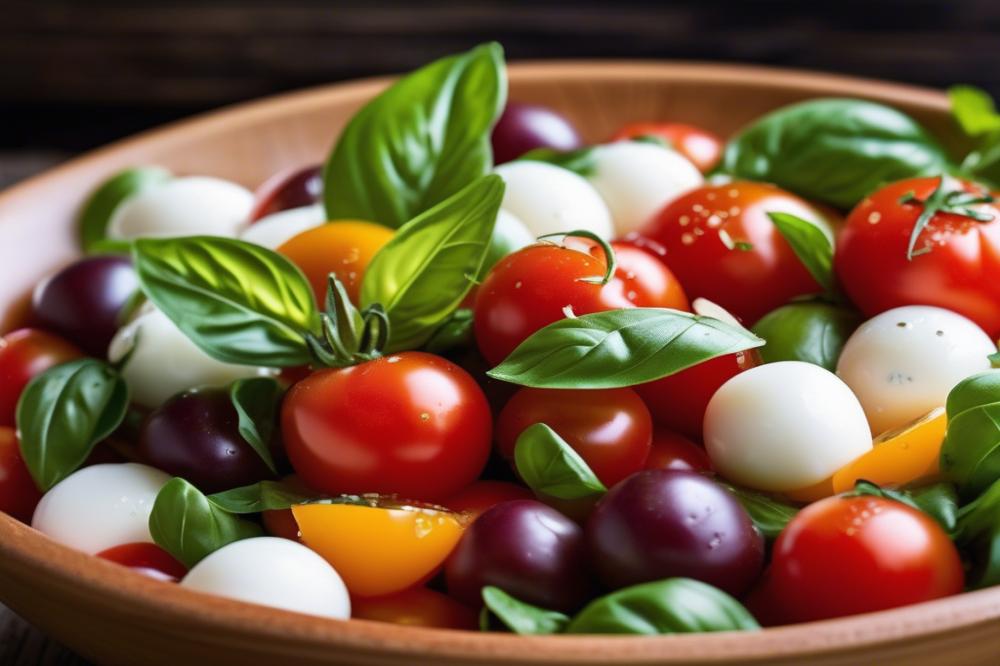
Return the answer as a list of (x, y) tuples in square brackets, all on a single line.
[(82, 301), (195, 435), (663, 523), (524, 127), (528, 550), (288, 189)]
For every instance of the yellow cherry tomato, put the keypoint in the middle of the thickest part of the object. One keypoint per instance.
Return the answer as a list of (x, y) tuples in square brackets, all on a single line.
[(899, 456), (813, 493), (379, 550), (344, 248)]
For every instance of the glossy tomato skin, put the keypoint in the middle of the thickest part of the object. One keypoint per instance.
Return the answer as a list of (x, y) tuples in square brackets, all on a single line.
[(842, 556), (147, 559), (537, 285), (671, 450), (18, 493), (700, 146), (958, 273), (416, 607), (25, 353), (411, 424), (293, 188), (722, 246), (611, 429), (481, 496), (523, 127), (344, 248), (83, 301), (678, 401)]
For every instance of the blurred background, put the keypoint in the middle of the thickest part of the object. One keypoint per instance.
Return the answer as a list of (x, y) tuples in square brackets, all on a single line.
[(77, 74)]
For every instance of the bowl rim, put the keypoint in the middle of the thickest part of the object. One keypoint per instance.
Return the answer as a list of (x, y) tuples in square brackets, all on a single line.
[(22, 549)]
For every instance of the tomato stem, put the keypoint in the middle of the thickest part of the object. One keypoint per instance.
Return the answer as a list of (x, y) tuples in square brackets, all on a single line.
[(609, 253), (947, 197)]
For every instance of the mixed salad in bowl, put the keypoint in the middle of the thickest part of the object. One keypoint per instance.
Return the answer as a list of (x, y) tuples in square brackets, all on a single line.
[(473, 373)]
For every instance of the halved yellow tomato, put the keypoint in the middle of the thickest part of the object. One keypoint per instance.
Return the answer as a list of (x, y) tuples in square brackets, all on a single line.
[(380, 549), (899, 456)]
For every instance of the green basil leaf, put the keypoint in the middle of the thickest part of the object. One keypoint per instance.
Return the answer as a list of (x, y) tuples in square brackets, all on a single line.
[(833, 150), (110, 246), (419, 142), (811, 243), (977, 534), (550, 466), (257, 401), (671, 606), (810, 331), (974, 110), (190, 527), (769, 514), (938, 500), (65, 411), (581, 161), (519, 616), (100, 206), (617, 348), (970, 455), (423, 274), (262, 496), (239, 302), (455, 331), (995, 360)]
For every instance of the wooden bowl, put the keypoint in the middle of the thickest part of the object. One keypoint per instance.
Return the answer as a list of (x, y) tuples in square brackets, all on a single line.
[(114, 616)]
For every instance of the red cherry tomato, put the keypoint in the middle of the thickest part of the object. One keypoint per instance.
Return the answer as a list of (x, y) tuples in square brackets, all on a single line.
[(483, 495), (25, 353), (416, 607), (148, 559), (673, 451), (410, 424), (535, 286), (722, 246), (678, 401), (843, 556), (700, 146), (610, 428), (959, 272), (18, 493)]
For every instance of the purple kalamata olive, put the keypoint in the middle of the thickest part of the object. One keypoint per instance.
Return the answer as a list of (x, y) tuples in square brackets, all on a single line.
[(524, 127), (289, 189)]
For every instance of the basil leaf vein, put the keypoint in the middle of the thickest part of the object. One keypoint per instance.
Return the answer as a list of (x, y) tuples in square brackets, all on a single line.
[(257, 401), (550, 466), (769, 515), (811, 243), (262, 496), (970, 455), (519, 616)]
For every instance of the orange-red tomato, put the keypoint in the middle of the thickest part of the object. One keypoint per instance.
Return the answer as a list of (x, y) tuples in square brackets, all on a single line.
[(18, 493), (380, 550), (482, 495), (671, 450), (416, 607), (344, 248), (698, 145), (25, 353)]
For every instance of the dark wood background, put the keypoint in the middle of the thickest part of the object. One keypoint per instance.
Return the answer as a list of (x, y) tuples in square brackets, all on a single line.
[(76, 74)]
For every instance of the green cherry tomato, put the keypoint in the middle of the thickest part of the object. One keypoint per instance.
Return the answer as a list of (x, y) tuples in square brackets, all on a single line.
[(809, 331)]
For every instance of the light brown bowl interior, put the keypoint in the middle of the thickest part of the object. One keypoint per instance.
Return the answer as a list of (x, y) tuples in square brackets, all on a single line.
[(117, 617)]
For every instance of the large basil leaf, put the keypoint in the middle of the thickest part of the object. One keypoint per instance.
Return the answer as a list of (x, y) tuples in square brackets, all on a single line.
[(618, 348), (549, 466), (257, 401), (811, 243), (937, 500), (100, 206), (970, 455), (833, 150), (420, 141), (239, 302), (519, 616), (262, 496), (63, 412), (769, 514), (190, 527), (422, 275), (810, 331), (671, 606)]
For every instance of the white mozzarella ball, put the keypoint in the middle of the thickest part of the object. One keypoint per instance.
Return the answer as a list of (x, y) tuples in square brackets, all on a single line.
[(549, 199), (100, 507), (904, 362), (162, 361), (273, 230), (190, 206), (273, 572), (637, 179), (784, 426)]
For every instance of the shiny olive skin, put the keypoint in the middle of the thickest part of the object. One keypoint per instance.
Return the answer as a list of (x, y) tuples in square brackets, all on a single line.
[(524, 127), (195, 435), (285, 190), (82, 302), (525, 548), (810, 331), (663, 523)]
